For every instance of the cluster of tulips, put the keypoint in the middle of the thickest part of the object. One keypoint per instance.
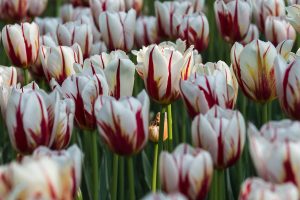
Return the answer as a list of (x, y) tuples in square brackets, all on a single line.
[(101, 85)]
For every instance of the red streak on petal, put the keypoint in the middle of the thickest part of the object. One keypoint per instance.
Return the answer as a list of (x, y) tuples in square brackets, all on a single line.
[(140, 131), (152, 86), (117, 89), (110, 42), (169, 84), (12, 54), (220, 147), (289, 171)]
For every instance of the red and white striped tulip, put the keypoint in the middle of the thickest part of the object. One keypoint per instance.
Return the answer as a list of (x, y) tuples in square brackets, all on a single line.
[(36, 7), (278, 29), (274, 150), (233, 19), (258, 189), (13, 9), (253, 66), (293, 16), (21, 43), (48, 26), (163, 196), (146, 31), (252, 34), (222, 132), (8, 76), (58, 62), (160, 66), (187, 170), (123, 124), (195, 30), (165, 13), (98, 48), (198, 5), (116, 29), (137, 5)]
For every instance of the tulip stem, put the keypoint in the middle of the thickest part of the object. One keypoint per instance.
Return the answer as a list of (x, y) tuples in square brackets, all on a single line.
[(218, 186), (131, 178), (25, 71), (79, 195), (114, 184), (154, 172), (170, 130), (264, 113), (95, 165), (121, 177)]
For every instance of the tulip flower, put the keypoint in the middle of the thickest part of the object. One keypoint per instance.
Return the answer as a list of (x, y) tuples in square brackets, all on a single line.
[(21, 43), (258, 189), (13, 9), (197, 4), (162, 196), (263, 9), (233, 19), (160, 66), (76, 32), (222, 132), (123, 124), (98, 48), (253, 34), (58, 62), (253, 66), (274, 151), (36, 7), (293, 16), (8, 76), (278, 29), (195, 30), (116, 29), (48, 26), (165, 12), (146, 31), (186, 166), (137, 5)]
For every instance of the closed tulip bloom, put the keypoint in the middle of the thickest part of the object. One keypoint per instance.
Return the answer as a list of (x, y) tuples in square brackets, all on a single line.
[(195, 30), (21, 43), (253, 66), (137, 5), (8, 76), (36, 7), (252, 34), (274, 150), (162, 196), (258, 189), (165, 12), (146, 31), (76, 32), (123, 124), (13, 9), (222, 132), (58, 62), (187, 170), (116, 29), (293, 16), (233, 19), (160, 66)]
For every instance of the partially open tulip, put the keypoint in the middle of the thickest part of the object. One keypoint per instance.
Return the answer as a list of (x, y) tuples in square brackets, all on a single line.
[(146, 31), (117, 29), (21, 43), (162, 196), (253, 66), (195, 30), (186, 166), (137, 5), (258, 189), (278, 29), (165, 12), (274, 151), (293, 16), (123, 124), (160, 66), (58, 62), (8, 76), (13, 9), (36, 7), (253, 34), (222, 132), (233, 19)]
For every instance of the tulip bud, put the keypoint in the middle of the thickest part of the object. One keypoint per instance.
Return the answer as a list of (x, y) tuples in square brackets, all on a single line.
[(252, 34), (13, 9), (186, 166), (123, 124), (195, 30), (160, 67), (146, 31), (137, 5), (293, 16), (8, 76), (258, 189), (21, 43), (36, 7), (116, 29), (215, 130), (253, 66), (162, 196), (154, 128), (58, 62)]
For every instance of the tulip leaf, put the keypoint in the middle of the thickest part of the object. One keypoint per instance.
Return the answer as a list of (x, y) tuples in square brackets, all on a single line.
[(147, 169)]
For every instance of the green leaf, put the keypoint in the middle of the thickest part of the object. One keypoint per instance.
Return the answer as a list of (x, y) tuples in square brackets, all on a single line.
[(147, 169)]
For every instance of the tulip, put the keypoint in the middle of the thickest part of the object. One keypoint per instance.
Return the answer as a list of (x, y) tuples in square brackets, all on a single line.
[(80, 2), (197, 4), (216, 85), (146, 31), (293, 16), (116, 29), (98, 48), (13, 9), (233, 19), (36, 7), (165, 12), (8, 76), (160, 67), (222, 132), (48, 26), (252, 34), (253, 66), (265, 8), (195, 30), (162, 196), (190, 66), (21, 43), (111, 115), (278, 30), (258, 189), (137, 5), (58, 62), (186, 166)]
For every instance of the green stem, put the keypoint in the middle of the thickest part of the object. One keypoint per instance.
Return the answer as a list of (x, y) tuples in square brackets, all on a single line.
[(131, 178), (25, 71), (95, 165), (79, 195), (170, 128), (218, 186), (121, 176), (183, 128), (58, 3), (114, 188), (87, 160), (244, 106), (154, 172), (264, 113)]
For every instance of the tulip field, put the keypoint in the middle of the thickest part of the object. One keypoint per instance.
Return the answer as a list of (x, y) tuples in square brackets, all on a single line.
[(150, 100)]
